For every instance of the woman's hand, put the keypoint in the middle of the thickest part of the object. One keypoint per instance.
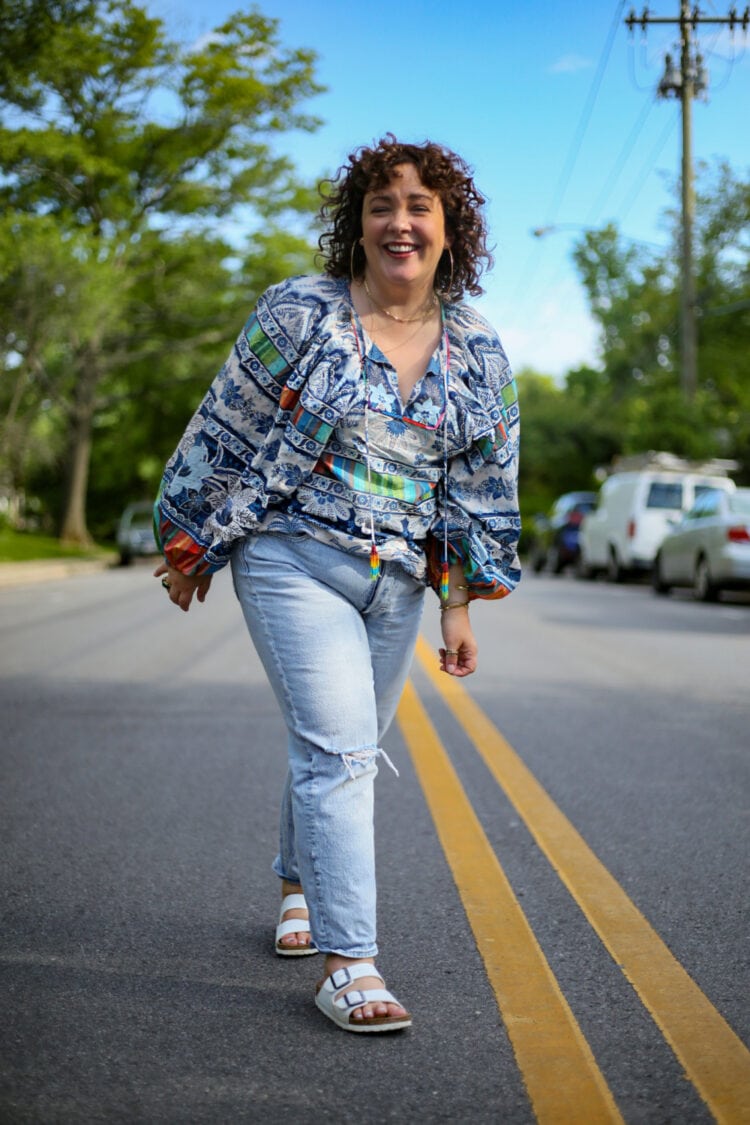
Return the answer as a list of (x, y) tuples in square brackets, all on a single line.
[(181, 587), (458, 657)]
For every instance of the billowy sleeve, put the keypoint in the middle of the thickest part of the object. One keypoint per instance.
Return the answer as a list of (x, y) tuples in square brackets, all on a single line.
[(479, 504), (259, 431)]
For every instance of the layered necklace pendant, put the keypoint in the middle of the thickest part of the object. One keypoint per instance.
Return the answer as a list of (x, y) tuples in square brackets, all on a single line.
[(423, 314), (365, 373)]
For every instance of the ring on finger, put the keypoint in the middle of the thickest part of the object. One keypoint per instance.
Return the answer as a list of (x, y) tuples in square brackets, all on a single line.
[(451, 652)]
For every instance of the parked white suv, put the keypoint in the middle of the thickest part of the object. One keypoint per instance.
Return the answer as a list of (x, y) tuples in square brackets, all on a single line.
[(634, 512)]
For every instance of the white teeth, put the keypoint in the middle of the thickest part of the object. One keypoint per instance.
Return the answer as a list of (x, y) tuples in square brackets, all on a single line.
[(400, 247)]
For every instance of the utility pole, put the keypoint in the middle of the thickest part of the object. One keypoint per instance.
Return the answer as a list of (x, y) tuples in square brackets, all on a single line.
[(691, 79)]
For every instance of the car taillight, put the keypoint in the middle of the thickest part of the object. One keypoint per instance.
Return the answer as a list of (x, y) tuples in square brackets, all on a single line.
[(738, 534), (631, 529)]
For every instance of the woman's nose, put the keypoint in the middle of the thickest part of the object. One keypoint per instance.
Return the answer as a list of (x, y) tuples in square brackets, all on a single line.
[(400, 219)]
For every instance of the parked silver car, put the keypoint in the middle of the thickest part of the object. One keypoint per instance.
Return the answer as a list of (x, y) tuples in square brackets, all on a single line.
[(709, 549), (135, 532)]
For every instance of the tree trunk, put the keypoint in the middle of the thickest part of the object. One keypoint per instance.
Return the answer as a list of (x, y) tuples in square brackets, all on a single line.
[(73, 528)]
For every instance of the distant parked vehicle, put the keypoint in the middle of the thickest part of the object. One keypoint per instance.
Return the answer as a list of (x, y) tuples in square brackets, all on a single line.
[(709, 549), (135, 532), (634, 512), (555, 536)]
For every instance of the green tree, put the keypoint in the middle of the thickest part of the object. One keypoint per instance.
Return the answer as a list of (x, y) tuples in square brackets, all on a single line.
[(567, 432), (55, 298), (120, 152), (634, 295), (199, 292)]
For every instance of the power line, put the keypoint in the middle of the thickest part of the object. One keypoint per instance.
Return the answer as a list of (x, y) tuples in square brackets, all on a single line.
[(619, 164), (632, 62), (588, 109), (528, 269), (642, 174)]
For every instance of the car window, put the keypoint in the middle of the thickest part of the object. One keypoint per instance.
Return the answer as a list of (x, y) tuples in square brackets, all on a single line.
[(706, 505), (137, 516), (665, 494), (739, 503)]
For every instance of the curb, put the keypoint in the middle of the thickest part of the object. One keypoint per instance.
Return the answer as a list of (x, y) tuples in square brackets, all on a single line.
[(47, 570)]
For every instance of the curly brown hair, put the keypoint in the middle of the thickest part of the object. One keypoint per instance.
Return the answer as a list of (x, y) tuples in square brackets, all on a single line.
[(440, 170)]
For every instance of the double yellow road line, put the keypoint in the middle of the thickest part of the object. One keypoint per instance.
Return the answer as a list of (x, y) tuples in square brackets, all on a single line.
[(562, 1077)]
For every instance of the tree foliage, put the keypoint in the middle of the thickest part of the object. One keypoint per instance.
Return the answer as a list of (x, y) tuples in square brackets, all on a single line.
[(635, 297), (121, 153), (633, 402), (567, 432)]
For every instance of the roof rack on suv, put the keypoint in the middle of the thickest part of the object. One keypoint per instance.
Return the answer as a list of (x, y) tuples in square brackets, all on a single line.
[(660, 461)]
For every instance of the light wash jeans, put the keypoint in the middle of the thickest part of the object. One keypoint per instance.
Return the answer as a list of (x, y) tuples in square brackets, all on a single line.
[(336, 648)]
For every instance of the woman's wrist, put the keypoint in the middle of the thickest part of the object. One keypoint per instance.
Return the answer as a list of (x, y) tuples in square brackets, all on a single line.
[(455, 605)]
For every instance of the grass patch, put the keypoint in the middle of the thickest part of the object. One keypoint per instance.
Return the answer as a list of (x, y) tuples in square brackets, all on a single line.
[(18, 546)]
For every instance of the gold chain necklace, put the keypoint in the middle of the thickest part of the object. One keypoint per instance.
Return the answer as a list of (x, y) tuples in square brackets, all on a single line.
[(400, 319)]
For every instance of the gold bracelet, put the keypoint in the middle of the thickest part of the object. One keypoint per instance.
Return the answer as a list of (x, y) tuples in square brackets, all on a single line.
[(454, 605), (463, 587)]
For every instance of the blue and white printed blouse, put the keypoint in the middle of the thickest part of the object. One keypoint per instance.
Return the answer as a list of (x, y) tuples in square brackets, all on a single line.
[(278, 444)]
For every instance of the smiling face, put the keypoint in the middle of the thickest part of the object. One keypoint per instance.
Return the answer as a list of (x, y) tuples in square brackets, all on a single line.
[(403, 234)]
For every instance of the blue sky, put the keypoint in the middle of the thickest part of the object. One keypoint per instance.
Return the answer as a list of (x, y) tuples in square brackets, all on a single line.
[(522, 92)]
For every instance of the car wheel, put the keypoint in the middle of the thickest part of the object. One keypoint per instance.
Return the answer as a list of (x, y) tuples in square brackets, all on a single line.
[(615, 570), (657, 581), (553, 561), (537, 561), (704, 589)]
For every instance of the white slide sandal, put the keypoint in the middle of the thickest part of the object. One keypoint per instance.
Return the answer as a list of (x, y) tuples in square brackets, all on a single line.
[(339, 1008), (293, 926)]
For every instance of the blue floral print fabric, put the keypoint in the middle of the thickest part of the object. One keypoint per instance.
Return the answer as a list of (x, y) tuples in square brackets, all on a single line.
[(303, 432)]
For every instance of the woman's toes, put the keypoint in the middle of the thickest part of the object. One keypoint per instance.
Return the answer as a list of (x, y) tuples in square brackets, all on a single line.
[(368, 1012), (293, 940), (378, 1011)]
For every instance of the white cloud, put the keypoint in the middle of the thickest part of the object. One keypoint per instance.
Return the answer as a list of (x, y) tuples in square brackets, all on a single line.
[(570, 64), (205, 40)]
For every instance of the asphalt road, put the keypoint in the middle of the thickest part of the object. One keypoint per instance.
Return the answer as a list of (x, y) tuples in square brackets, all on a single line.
[(563, 891)]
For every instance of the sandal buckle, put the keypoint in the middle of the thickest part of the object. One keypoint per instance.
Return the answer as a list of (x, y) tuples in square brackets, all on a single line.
[(354, 999), (340, 977)]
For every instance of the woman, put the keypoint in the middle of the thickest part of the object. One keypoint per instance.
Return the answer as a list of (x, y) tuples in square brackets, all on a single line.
[(359, 444)]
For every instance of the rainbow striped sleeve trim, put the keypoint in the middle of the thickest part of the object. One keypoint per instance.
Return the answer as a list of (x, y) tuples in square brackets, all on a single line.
[(265, 350), (181, 551), (354, 475)]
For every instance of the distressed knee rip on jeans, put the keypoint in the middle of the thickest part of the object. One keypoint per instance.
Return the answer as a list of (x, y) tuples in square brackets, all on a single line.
[(364, 756)]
